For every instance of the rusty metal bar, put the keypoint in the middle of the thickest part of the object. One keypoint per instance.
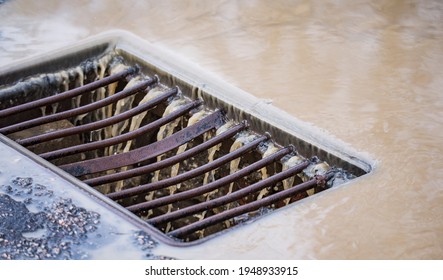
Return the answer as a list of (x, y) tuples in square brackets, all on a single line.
[(213, 185), (166, 162), (80, 110), (67, 94), (98, 124), (121, 138), (255, 205), (227, 198), (189, 174), (216, 119)]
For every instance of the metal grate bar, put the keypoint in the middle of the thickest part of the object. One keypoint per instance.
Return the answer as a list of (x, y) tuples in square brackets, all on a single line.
[(216, 119), (190, 174), (228, 198), (67, 94), (166, 162), (121, 138), (255, 205), (213, 185), (98, 124), (80, 110)]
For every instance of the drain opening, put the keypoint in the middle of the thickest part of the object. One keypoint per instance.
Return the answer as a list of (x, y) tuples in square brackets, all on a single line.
[(181, 166)]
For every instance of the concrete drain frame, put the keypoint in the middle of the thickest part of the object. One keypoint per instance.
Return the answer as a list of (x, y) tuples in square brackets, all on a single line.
[(195, 84)]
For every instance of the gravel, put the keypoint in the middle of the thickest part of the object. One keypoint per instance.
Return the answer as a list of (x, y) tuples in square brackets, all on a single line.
[(58, 229)]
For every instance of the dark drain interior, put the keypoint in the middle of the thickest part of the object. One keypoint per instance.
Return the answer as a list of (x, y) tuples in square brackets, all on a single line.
[(180, 164)]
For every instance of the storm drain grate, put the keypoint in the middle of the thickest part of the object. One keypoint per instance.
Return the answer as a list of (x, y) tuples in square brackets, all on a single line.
[(181, 166)]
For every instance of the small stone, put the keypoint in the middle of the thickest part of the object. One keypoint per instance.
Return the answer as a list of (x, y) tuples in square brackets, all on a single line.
[(23, 182), (91, 228), (56, 251), (7, 188), (39, 187)]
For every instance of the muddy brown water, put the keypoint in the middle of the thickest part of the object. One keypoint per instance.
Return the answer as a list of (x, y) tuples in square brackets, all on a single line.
[(366, 72)]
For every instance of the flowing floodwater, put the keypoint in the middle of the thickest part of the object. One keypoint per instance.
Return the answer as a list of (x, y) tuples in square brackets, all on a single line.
[(366, 72)]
